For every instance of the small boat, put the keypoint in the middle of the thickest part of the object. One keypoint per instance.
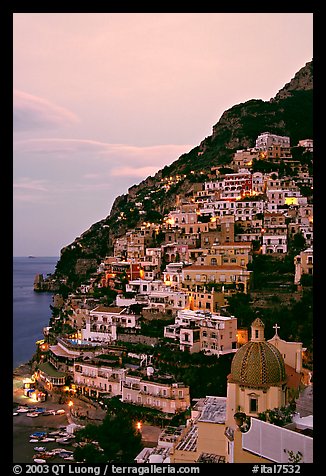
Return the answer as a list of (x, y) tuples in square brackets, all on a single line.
[(57, 451), (63, 441), (38, 434), (43, 455), (39, 460), (32, 414), (22, 410), (66, 454), (33, 440), (15, 413), (49, 412), (54, 433), (47, 440), (40, 448), (60, 412), (69, 458)]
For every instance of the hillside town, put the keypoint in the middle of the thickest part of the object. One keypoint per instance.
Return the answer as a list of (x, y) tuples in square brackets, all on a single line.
[(171, 288)]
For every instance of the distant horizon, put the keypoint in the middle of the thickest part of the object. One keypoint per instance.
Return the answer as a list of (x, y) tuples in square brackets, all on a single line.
[(35, 256)]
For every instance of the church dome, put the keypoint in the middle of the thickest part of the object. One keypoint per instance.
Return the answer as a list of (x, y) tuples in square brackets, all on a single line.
[(258, 363)]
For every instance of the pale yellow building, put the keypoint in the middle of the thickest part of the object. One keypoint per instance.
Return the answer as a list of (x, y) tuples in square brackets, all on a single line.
[(234, 253), (207, 299), (223, 276), (203, 438)]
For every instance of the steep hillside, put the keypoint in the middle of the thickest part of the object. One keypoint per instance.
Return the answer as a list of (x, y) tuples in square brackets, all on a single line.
[(288, 113)]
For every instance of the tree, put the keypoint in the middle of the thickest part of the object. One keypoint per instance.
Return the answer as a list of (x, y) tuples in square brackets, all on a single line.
[(298, 242), (116, 439), (306, 280), (89, 454)]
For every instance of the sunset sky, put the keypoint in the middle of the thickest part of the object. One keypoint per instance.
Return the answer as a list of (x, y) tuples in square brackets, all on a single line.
[(102, 100)]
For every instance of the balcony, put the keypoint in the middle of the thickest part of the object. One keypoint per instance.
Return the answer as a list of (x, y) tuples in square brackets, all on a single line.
[(131, 386)]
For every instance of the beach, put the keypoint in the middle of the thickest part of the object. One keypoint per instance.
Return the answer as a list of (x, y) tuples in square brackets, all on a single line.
[(24, 426)]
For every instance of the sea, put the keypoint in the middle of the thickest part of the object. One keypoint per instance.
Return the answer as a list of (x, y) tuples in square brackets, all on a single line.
[(31, 310)]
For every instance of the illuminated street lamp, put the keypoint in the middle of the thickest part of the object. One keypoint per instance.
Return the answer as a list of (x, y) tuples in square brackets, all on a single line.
[(139, 425)]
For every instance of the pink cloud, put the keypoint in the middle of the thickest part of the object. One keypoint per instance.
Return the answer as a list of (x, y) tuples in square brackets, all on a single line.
[(33, 112), (29, 184), (114, 154)]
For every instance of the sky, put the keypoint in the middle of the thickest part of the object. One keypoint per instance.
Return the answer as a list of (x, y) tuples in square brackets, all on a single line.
[(103, 100)]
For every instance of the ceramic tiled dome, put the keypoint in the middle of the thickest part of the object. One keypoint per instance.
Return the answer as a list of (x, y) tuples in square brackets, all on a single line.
[(258, 363)]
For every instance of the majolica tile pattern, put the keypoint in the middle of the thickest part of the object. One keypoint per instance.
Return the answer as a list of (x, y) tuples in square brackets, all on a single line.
[(258, 364)]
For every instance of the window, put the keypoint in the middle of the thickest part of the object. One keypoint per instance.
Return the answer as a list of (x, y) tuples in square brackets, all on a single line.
[(253, 405)]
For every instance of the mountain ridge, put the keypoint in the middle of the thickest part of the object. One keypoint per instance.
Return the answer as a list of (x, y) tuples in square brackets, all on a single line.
[(289, 113)]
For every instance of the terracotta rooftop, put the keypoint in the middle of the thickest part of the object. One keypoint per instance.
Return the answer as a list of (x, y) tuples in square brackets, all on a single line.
[(114, 310), (293, 377), (215, 267), (234, 243)]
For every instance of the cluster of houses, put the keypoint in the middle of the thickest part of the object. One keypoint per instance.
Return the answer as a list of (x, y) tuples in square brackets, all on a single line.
[(207, 242)]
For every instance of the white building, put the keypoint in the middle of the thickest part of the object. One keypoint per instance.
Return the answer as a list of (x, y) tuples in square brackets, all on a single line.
[(308, 144), (173, 275), (96, 378), (103, 322), (258, 182), (241, 209), (274, 243), (156, 296), (156, 392), (197, 331), (266, 140), (303, 263)]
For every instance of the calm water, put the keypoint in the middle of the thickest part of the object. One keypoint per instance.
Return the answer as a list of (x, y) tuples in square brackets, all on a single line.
[(31, 310)]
